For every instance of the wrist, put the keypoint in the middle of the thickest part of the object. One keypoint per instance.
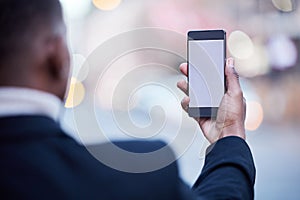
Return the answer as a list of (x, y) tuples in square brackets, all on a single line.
[(233, 130)]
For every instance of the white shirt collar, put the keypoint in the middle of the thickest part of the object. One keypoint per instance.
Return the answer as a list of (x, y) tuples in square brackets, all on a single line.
[(16, 101)]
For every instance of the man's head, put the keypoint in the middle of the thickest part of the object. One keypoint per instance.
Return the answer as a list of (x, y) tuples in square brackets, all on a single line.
[(33, 50)]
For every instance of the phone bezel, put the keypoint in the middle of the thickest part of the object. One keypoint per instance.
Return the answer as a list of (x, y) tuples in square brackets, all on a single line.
[(207, 112)]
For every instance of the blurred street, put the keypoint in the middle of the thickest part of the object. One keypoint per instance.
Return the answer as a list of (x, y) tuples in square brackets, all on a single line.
[(125, 58)]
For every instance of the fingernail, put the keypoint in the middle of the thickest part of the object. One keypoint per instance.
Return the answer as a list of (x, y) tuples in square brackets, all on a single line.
[(230, 62)]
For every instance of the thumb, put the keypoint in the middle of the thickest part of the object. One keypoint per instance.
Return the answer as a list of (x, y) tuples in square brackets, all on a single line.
[(232, 78)]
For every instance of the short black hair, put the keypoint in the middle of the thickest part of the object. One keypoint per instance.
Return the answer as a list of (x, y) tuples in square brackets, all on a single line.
[(20, 20)]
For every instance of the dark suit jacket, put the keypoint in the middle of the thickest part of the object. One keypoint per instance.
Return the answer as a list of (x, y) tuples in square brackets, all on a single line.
[(39, 161)]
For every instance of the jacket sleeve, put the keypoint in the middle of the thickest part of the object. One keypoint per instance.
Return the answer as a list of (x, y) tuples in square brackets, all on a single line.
[(228, 172)]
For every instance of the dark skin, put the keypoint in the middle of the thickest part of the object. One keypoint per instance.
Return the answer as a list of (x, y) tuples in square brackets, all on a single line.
[(231, 114), (44, 65)]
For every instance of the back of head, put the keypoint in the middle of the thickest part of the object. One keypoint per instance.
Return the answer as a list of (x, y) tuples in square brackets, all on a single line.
[(28, 33), (20, 21)]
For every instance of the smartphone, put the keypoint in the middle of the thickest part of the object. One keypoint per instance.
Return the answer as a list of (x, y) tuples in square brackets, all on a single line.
[(206, 72)]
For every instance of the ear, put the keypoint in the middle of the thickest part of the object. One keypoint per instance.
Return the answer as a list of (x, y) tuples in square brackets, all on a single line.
[(58, 65), (58, 59)]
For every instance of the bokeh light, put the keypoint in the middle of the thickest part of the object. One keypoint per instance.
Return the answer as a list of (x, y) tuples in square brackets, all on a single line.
[(76, 9), (80, 67), (76, 93), (283, 5), (254, 115), (240, 45), (106, 4), (282, 51), (256, 64)]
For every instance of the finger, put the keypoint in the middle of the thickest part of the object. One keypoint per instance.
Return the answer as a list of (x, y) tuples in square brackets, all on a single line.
[(183, 68), (233, 84), (182, 85), (185, 103), (245, 107)]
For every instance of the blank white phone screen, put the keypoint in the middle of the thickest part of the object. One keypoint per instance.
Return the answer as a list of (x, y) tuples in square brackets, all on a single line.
[(206, 72)]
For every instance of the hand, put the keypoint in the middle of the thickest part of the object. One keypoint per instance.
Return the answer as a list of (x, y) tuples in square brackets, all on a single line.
[(232, 111)]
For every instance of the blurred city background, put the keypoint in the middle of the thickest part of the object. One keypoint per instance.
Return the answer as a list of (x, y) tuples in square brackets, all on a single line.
[(262, 35)]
